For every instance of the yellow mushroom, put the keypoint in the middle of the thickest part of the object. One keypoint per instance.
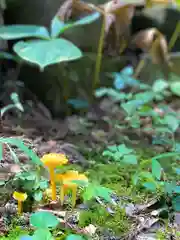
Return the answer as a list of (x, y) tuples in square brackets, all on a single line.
[(20, 197), (51, 161), (66, 183)]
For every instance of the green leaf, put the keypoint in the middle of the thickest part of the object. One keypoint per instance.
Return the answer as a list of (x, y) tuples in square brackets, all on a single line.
[(56, 27), (13, 154), (130, 159), (18, 143), (160, 85), (74, 237), (43, 184), (172, 122), (88, 19), (156, 169), (42, 234), (101, 92), (22, 31), (93, 191), (44, 52), (175, 88), (169, 187), (43, 220), (150, 186), (38, 196), (124, 150)]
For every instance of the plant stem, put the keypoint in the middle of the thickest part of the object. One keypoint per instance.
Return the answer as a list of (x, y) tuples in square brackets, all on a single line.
[(174, 36), (99, 56)]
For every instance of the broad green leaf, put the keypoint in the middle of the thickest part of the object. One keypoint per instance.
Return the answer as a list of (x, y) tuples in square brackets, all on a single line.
[(131, 106), (93, 191), (26, 237), (160, 85), (42, 234), (43, 220), (89, 193), (43, 184), (124, 150), (74, 237), (130, 159), (88, 19), (168, 187), (107, 153), (56, 27), (23, 31), (175, 88), (38, 196), (113, 148), (18, 143), (103, 192), (44, 52), (156, 169), (150, 186), (172, 122)]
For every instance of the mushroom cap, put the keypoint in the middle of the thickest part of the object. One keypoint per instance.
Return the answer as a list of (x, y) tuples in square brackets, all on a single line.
[(69, 176), (53, 160), (19, 196)]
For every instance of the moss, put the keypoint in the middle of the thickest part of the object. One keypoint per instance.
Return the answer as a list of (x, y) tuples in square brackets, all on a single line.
[(14, 234), (99, 216)]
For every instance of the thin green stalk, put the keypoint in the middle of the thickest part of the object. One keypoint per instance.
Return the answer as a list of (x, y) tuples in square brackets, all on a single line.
[(99, 56), (174, 36)]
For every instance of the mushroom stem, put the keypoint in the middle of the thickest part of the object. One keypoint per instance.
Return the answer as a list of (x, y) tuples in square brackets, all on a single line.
[(53, 184), (19, 207), (74, 192)]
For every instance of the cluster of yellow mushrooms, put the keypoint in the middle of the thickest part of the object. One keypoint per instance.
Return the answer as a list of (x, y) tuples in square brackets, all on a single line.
[(52, 161)]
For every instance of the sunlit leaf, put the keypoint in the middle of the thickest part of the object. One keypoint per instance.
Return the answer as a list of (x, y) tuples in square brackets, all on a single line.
[(44, 52), (124, 150), (56, 27), (175, 88), (43, 220), (38, 196), (160, 85), (43, 234), (130, 159), (172, 122), (22, 31), (74, 237), (150, 186)]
